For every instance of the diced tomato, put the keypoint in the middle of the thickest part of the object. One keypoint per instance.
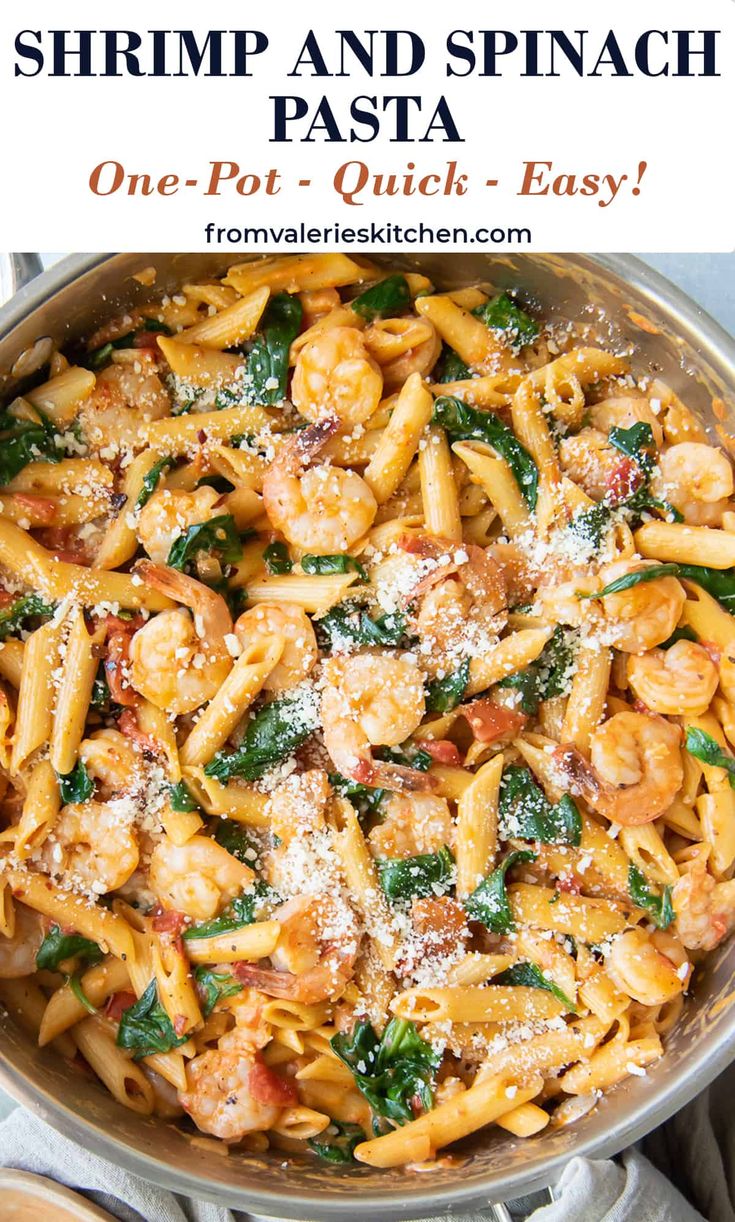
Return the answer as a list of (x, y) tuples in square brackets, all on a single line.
[(148, 339), (268, 1087), (441, 750), (180, 1021), (489, 721), (640, 707), (127, 724), (41, 509), (570, 883), (168, 920), (118, 1002), (623, 480), (64, 544), (6, 598)]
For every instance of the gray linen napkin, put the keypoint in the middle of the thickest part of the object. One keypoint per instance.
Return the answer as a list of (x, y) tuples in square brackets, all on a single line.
[(588, 1191)]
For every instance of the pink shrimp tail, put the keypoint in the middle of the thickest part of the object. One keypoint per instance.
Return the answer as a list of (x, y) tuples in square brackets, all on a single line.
[(275, 984), (396, 777)]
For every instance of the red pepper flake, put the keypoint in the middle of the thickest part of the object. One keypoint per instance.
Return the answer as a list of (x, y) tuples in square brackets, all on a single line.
[(490, 721), (201, 437), (570, 884), (640, 707)]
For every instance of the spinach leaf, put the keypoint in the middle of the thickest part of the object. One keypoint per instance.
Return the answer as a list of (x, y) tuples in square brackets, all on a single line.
[(637, 443), (349, 624), (450, 367), (217, 535), (362, 797), (151, 478), (550, 675), (212, 986), (420, 760), (333, 564), (464, 423), (277, 559), (275, 732), (628, 580), (405, 878), (100, 356), (146, 1027), (704, 747), (489, 902), (267, 368), (25, 441), (591, 525), (392, 1071), (720, 583), (27, 607), (337, 1147), (233, 837), (242, 911), (443, 695), (502, 313), (525, 813), (181, 798), (659, 907), (100, 689), (384, 300), (530, 975), (77, 785), (57, 947), (75, 985)]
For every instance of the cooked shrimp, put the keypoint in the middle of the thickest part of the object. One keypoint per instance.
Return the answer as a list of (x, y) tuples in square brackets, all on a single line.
[(323, 509), (639, 966), (588, 458), (18, 954), (92, 845), (197, 878), (127, 394), (315, 955), (463, 600), (169, 513), (622, 411), (111, 759), (697, 479), (369, 701), (705, 909), (632, 620), (676, 681), (335, 376), (290, 622), (412, 824), (176, 662), (635, 771), (297, 805), (230, 1094)]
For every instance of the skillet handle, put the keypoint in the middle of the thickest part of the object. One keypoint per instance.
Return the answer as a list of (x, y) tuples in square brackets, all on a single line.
[(17, 270)]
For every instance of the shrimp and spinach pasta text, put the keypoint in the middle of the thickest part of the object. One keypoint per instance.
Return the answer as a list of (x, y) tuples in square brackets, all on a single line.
[(367, 710)]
